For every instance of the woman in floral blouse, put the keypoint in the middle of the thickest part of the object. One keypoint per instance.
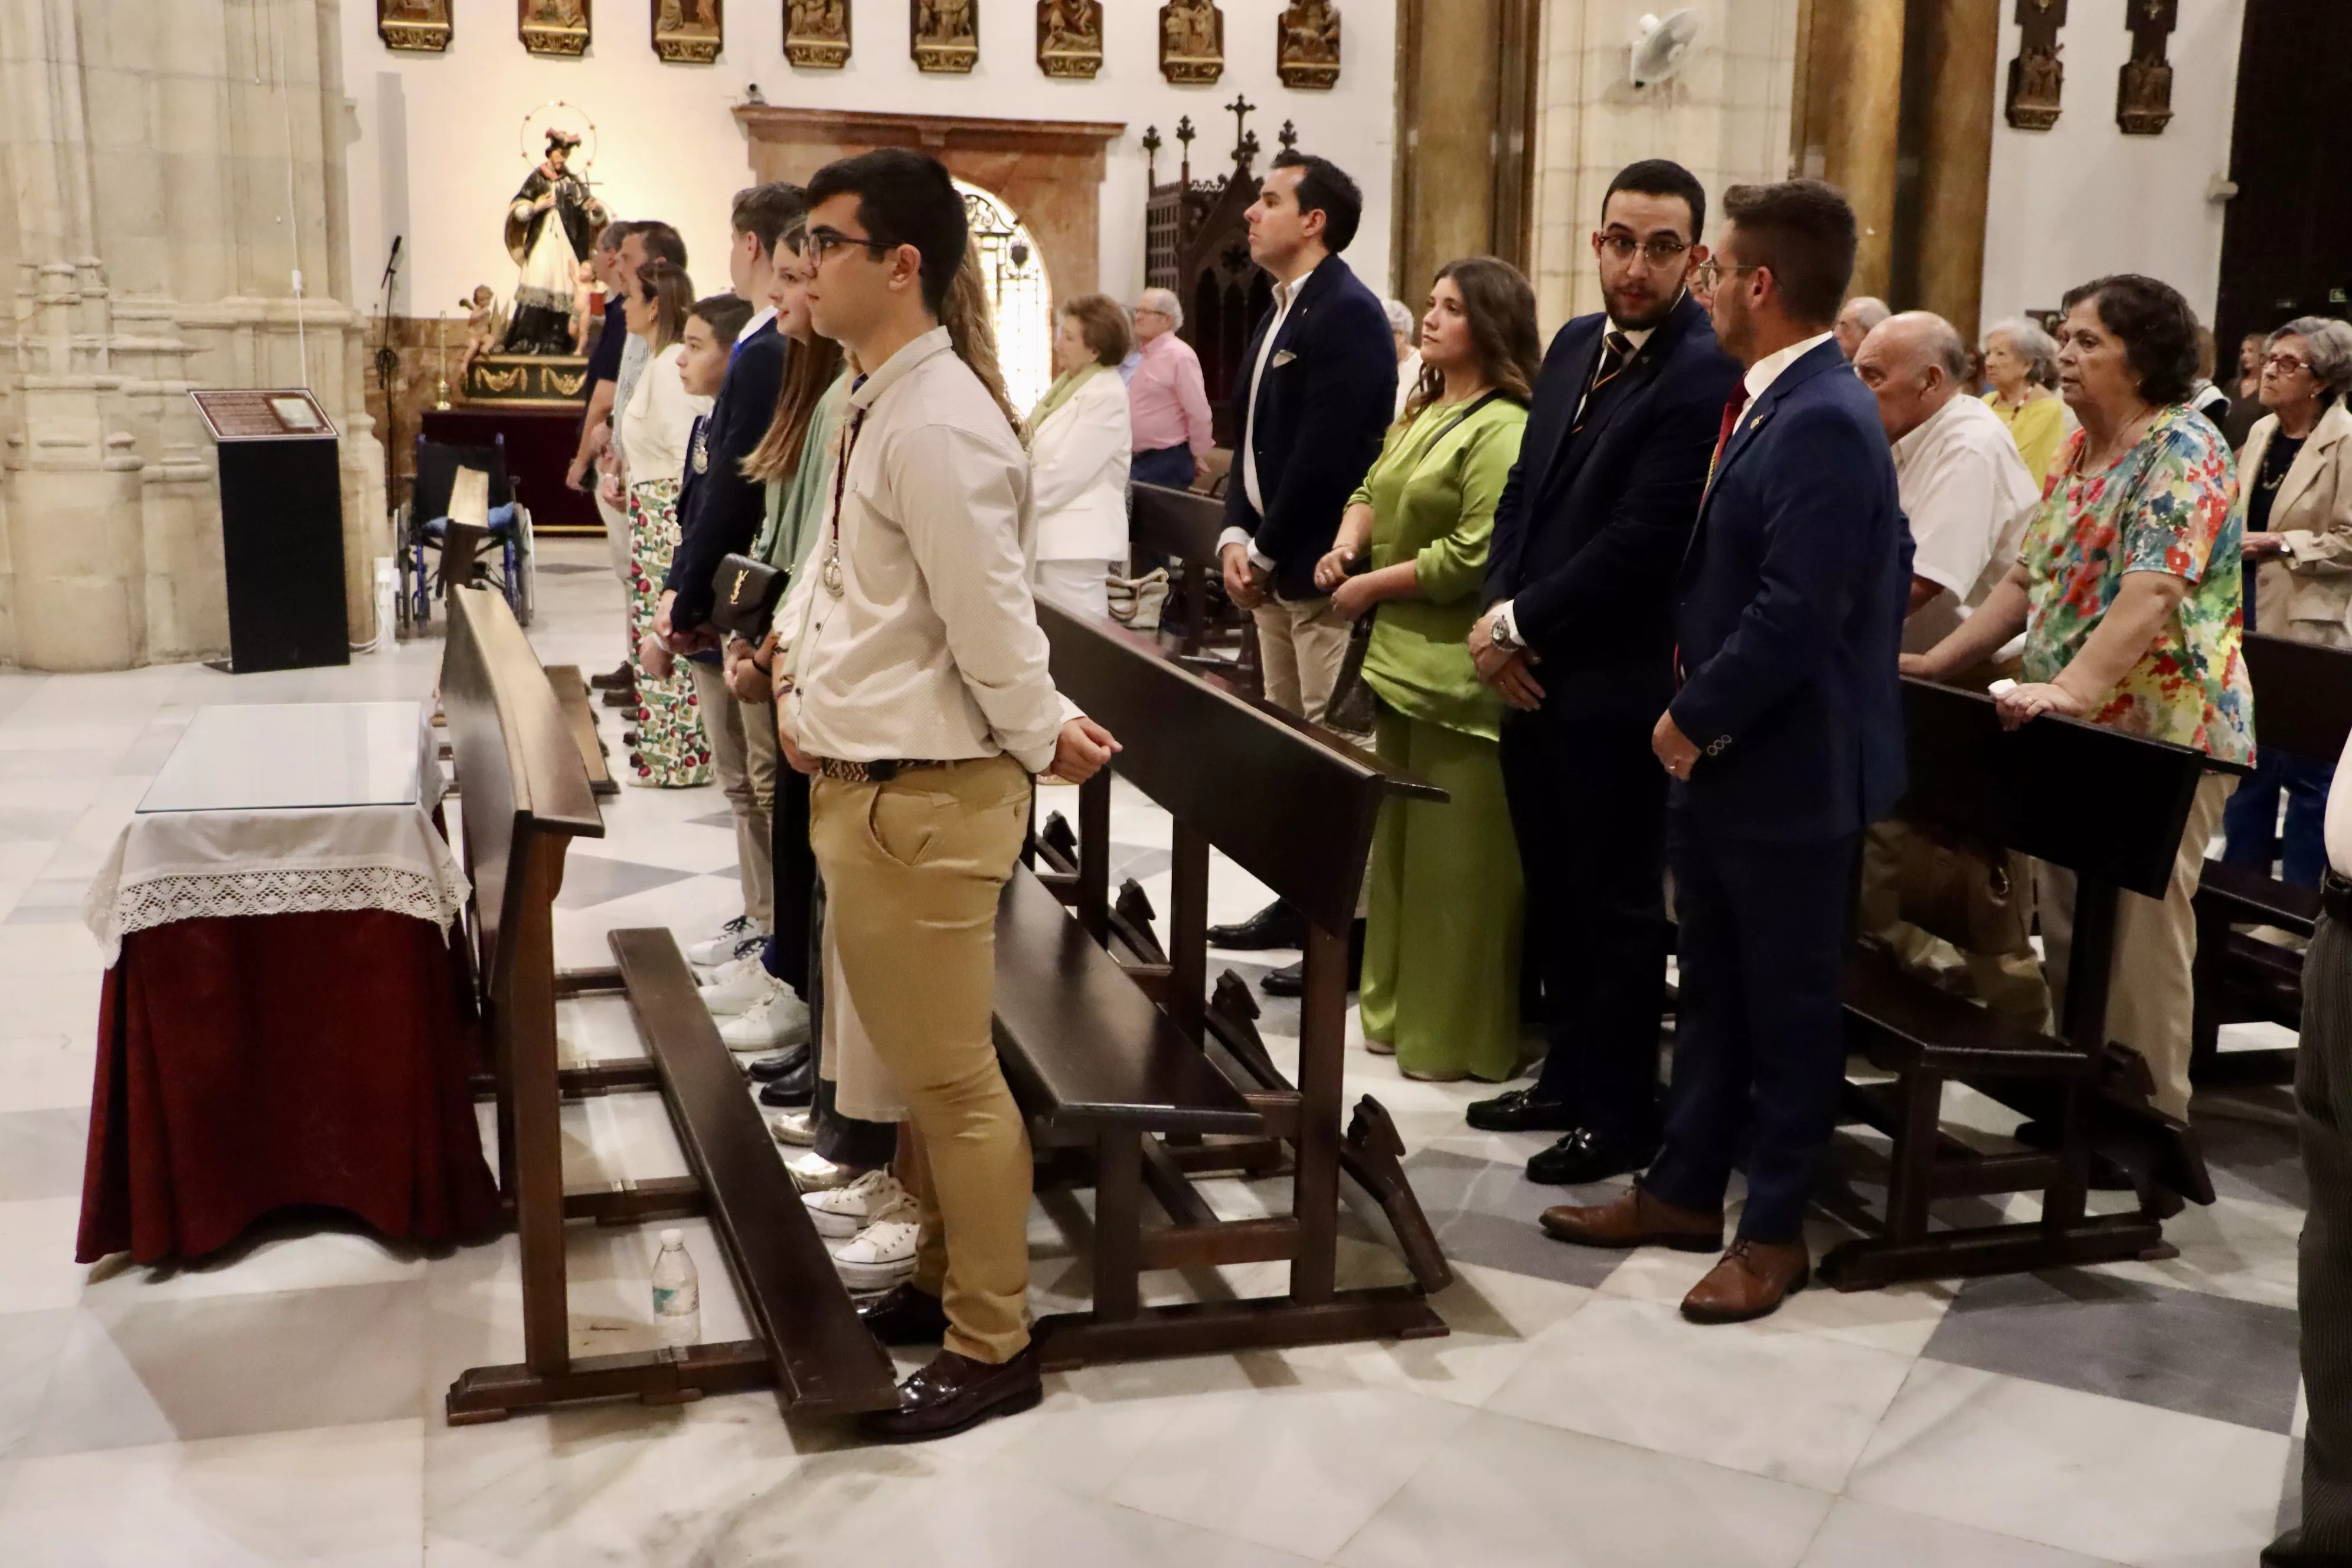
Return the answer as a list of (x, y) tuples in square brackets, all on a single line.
[(2129, 594)]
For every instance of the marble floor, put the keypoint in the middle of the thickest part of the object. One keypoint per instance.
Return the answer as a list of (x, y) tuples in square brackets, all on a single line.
[(282, 1404)]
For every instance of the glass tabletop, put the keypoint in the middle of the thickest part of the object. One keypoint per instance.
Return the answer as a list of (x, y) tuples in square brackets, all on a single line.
[(292, 755)]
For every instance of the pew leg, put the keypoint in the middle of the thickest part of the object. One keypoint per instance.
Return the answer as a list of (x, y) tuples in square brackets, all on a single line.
[(2205, 1026), (1118, 1225), (1912, 1182)]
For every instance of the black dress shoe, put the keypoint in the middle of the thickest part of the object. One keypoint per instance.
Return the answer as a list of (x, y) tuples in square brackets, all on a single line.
[(955, 1393), (624, 678), (782, 1065), (1291, 980), (793, 1091), (1276, 926), (1583, 1156), (905, 1315), (1521, 1111)]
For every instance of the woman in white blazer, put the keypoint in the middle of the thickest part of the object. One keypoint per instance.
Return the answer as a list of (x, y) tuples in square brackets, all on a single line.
[(1080, 444)]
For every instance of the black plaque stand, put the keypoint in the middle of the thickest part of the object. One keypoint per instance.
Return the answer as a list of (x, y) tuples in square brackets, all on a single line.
[(281, 529)]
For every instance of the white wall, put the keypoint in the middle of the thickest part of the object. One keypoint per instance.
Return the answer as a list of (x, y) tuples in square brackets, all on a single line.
[(2081, 198), (670, 148)]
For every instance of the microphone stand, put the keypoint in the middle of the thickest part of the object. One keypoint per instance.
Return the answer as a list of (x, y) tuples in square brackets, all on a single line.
[(387, 372)]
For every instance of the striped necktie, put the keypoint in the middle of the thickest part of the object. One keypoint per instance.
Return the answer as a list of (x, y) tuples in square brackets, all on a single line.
[(1616, 352)]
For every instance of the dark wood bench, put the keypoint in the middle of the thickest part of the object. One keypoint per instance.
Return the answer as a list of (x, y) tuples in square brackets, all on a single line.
[(1183, 526), (524, 793), (578, 706), (1112, 1044), (2111, 807), (2302, 703)]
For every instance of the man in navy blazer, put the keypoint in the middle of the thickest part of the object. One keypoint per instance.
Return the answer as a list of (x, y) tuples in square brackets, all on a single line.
[(1579, 639), (1785, 740), (1316, 391)]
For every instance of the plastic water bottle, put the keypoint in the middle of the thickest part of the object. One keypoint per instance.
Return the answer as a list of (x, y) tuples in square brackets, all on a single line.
[(677, 1295)]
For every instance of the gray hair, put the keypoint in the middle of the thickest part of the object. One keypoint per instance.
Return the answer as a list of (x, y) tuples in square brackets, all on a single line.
[(1400, 319), (2330, 343), (1165, 300), (2029, 343), (1868, 310)]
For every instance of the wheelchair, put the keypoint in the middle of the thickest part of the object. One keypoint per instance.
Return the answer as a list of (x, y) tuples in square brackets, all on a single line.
[(507, 562)]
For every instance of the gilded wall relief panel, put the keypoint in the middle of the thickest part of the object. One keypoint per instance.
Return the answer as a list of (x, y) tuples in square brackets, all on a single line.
[(1070, 38), (1191, 42), (419, 24), (1307, 44), (689, 32), (816, 34), (554, 27), (945, 35)]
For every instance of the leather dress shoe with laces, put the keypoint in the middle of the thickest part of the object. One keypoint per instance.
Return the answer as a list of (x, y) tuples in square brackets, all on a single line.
[(1276, 926), (1749, 1281), (792, 1091), (625, 697), (1521, 1111), (905, 1315), (1583, 1155), (782, 1065), (1636, 1218), (955, 1393)]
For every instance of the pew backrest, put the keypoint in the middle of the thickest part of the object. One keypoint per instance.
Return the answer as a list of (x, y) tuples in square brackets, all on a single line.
[(2303, 695), (1166, 522)]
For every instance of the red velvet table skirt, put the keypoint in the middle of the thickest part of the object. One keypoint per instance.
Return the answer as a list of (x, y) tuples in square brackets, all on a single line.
[(247, 1064)]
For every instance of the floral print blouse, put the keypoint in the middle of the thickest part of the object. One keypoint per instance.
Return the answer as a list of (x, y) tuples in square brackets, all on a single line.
[(2164, 506)]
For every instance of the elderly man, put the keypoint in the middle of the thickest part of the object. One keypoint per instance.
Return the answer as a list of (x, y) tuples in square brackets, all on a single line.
[(1861, 315), (1166, 402)]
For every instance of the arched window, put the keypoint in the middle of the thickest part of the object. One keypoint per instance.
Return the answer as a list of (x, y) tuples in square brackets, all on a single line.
[(1020, 291)]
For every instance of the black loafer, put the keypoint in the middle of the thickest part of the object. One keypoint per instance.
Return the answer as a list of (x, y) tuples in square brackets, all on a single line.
[(955, 1393), (905, 1315), (1291, 980), (793, 1091), (1276, 926), (782, 1065), (1583, 1156), (1521, 1111)]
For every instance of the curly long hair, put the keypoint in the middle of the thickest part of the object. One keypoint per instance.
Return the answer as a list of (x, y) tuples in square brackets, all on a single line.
[(1501, 307)]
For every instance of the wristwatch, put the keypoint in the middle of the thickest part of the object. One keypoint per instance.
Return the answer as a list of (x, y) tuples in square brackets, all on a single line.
[(1502, 635)]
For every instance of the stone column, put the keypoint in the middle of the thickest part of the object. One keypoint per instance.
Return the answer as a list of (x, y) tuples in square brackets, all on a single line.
[(1963, 54), (1465, 114), (1847, 117)]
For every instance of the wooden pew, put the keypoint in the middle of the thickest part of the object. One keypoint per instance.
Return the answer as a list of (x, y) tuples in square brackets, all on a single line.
[(2302, 703), (2110, 806), (1183, 526), (578, 706), (1096, 1064), (524, 794)]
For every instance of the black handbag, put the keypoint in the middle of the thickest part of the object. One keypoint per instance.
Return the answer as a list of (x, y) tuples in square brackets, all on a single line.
[(744, 595)]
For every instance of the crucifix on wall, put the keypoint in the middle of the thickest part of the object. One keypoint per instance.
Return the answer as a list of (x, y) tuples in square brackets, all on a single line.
[(2035, 78), (2144, 87)]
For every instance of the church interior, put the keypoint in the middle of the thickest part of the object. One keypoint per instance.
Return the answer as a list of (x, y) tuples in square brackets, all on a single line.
[(288, 275)]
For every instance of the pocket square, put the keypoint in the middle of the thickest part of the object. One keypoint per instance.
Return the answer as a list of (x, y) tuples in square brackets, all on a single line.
[(1283, 357)]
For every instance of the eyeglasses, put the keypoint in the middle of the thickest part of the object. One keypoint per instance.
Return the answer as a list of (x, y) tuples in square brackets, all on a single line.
[(1660, 251), (1149, 310), (2285, 364), (1710, 273), (823, 242)]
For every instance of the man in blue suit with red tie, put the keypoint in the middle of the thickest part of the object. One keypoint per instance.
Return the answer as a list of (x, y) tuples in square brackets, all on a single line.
[(1785, 740)]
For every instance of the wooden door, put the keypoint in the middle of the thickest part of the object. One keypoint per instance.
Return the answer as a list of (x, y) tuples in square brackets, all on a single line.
[(2286, 244)]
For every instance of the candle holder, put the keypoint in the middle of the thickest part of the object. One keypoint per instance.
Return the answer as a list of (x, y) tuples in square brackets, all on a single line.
[(441, 350)]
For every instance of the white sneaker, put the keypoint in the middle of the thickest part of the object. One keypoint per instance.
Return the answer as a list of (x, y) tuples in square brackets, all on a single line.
[(729, 970), (796, 1128), (813, 1173), (728, 944), (745, 989), (846, 1211), (883, 1255), (777, 1024)]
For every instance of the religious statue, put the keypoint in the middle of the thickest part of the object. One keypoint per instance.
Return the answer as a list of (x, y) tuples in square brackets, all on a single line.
[(1191, 41), (1070, 38), (1307, 44), (554, 27), (689, 32), (816, 34), (551, 227), (2036, 78), (946, 34), (484, 327), (2144, 86), (420, 24)]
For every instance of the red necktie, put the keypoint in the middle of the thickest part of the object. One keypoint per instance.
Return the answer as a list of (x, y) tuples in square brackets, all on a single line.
[(1732, 408)]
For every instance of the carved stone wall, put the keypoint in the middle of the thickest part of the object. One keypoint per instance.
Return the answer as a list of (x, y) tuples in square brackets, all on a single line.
[(164, 170)]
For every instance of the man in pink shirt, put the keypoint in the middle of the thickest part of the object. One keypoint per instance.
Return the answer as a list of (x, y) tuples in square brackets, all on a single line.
[(1166, 401)]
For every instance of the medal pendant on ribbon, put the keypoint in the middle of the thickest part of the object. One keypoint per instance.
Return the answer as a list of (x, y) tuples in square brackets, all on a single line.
[(832, 574)]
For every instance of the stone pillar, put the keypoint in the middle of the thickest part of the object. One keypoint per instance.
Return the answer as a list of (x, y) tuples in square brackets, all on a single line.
[(1466, 72), (1847, 117), (1963, 58)]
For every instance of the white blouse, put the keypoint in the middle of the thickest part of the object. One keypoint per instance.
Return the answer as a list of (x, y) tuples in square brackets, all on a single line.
[(658, 424), (1079, 464)]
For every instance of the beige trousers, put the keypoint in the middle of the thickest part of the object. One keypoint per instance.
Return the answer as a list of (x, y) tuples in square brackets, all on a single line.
[(2151, 995), (1301, 644), (912, 870), (2011, 983), (616, 538), (744, 755)]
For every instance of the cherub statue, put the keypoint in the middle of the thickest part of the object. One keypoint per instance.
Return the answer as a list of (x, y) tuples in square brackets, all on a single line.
[(483, 327)]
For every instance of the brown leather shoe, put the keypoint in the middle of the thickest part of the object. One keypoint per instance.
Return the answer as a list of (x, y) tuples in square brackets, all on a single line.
[(1751, 1280), (1636, 1218), (954, 1393)]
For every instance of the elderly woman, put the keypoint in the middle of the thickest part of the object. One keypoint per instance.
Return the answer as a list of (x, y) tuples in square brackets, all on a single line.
[(2295, 501), (2127, 593), (2021, 361), (1408, 356), (1079, 452)]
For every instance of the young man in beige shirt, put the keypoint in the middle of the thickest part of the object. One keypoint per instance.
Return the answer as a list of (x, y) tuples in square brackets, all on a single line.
[(921, 705)]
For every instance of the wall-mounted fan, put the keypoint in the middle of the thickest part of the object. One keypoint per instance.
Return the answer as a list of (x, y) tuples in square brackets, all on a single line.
[(1663, 46)]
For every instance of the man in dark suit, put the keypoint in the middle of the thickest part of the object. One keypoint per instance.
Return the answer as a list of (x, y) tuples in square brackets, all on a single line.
[(1316, 390), (1579, 639), (1785, 740)]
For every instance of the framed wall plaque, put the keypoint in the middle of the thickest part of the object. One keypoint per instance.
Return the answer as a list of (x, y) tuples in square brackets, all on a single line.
[(554, 27), (1307, 44), (419, 24), (816, 34), (1191, 42), (1070, 38), (689, 32), (945, 35)]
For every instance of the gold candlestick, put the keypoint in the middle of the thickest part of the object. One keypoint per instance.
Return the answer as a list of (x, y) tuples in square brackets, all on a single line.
[(441, 339)]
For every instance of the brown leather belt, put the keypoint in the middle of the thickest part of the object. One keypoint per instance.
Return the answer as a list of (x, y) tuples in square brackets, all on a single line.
[(882, 769)]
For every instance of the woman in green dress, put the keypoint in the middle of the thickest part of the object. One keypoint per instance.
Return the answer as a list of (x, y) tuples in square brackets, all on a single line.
[(1442, 945)]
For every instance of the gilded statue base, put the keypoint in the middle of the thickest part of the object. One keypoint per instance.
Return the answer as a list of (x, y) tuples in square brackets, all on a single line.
[(528, 381)]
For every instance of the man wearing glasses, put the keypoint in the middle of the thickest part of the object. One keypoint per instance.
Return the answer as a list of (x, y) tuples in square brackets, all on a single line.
[(1579, 641), (1166, 401)]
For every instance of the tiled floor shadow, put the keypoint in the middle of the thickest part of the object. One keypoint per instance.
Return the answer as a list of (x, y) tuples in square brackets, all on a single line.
[(2189, 1351), (2258, 1159), (589, 879), (1486, 1214)]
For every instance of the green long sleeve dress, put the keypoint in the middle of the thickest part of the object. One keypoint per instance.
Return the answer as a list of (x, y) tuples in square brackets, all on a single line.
[(1442, 941)]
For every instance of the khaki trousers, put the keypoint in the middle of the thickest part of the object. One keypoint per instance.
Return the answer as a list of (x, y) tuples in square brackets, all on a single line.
[(744, 754), (1301, 644), (2011, 983), (912, 870), (2150, 992)]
